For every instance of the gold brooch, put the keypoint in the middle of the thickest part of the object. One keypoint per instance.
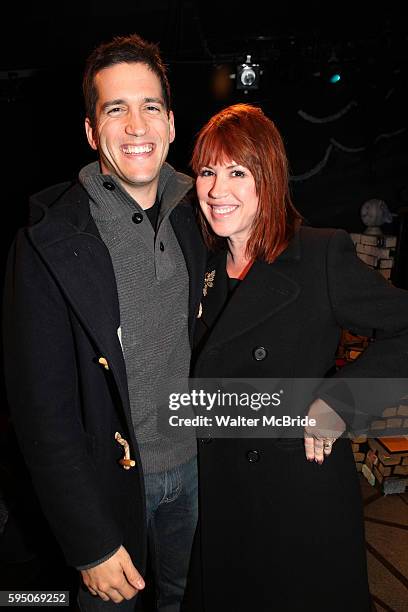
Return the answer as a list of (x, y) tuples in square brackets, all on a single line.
[(208, 281)]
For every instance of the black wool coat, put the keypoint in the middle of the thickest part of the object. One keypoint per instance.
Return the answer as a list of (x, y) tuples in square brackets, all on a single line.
[(276, 531), (61, 316)]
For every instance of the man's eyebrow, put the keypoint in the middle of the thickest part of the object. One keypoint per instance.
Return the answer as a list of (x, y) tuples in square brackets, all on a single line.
[(156, 100), (108, 103)]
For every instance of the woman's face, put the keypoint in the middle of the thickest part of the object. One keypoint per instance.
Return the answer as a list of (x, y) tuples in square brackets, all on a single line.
[(228, 199)]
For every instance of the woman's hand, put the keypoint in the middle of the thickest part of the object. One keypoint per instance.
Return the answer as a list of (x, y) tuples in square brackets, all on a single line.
[(319, 439)]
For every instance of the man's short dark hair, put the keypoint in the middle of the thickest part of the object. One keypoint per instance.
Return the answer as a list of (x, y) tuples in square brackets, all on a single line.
[(122, 49)]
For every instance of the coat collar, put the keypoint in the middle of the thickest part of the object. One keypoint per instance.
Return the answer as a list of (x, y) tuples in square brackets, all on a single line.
[(66, 209), (265, 290)]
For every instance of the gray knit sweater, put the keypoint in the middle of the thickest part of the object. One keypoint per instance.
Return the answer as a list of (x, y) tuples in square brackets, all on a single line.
[(153, 289)]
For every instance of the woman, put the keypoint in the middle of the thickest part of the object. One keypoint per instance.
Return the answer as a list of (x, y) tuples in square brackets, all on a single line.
[(279, 532)]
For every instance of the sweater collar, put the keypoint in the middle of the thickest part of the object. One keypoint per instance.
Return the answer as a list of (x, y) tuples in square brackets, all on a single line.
[(111, 200)]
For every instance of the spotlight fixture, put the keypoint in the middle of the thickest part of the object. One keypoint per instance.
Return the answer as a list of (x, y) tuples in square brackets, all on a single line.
[(248, 75)]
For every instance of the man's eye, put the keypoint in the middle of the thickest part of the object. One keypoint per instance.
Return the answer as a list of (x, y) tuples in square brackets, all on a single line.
[(153, 109), (115, 110)]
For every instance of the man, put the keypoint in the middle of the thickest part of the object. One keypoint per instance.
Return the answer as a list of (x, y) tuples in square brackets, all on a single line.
[(102, 291)]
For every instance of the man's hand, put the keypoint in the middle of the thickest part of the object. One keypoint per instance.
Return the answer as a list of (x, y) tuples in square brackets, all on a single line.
[(116, 578), (320, 438)]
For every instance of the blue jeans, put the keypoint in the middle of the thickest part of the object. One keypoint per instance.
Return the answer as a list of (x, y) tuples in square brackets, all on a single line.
[(171, 508)]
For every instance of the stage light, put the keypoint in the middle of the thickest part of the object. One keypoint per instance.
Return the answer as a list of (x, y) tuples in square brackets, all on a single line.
[(335, 78), (248, 75)]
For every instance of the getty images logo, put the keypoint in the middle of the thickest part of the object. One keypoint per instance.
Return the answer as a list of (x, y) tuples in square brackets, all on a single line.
[(208, 401)]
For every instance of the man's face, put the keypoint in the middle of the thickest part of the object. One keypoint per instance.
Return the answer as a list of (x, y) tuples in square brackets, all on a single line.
[(133, 129)]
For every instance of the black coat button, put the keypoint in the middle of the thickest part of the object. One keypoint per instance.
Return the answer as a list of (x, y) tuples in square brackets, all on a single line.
[(109, 186), (137, 217), (161, 246), (259, 353), (253, 456)]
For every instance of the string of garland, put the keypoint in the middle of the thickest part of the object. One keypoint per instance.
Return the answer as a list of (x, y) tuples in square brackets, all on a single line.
[(335, 144), (328, 118)]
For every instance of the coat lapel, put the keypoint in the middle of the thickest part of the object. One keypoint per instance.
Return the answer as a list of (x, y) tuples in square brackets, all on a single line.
[(265, 290), (70, 245), (215, 291)]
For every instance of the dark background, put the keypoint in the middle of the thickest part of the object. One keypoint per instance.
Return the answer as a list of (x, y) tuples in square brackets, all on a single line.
[(351, 146)]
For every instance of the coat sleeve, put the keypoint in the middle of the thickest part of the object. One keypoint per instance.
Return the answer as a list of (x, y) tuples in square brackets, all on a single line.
[(364, 302), (42, 389)]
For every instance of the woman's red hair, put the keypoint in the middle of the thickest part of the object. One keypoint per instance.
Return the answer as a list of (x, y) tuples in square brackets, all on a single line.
[(243, 133)]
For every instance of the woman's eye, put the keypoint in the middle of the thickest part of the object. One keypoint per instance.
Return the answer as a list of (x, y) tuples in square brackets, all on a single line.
[(206, 172), (239, 173)]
